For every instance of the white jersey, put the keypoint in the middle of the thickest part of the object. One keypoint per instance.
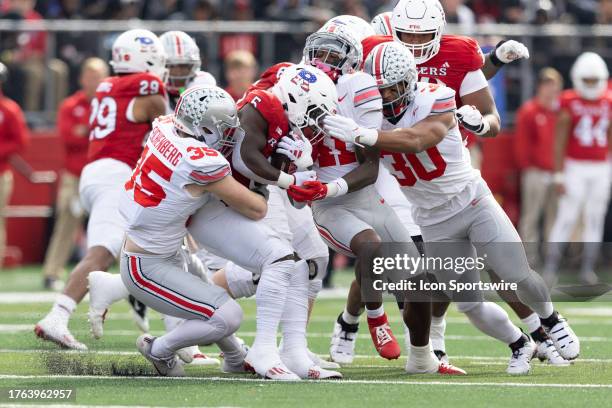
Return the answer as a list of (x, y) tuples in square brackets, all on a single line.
[(358, 99), (155, 203), (431, 178)]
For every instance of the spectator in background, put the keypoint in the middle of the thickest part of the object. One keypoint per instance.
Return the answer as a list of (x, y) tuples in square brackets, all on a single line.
[(605, 12), (241, 11), (13, 139), (240, 72), (73, 129), (458, 13), (534, 144)]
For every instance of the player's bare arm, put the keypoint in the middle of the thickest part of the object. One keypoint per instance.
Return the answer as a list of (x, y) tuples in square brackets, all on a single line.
[(235, 195), (255, 128), (483, 101), (367, 171), (147, 108), (418, 138)]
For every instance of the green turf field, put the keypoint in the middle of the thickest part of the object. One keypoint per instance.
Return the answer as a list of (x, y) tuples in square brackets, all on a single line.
[(113, 373)]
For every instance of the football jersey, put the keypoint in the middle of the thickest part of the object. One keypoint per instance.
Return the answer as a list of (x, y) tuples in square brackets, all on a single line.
[(113, 132), (590, 119), (358, 99), (155, 203), (458, 56), (433, 177)]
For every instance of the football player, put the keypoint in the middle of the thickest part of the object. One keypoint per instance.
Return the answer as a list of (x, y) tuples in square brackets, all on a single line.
[(180, 168), (183, 63), (121, 114), (582, 164), (451, 201), (349, 213)]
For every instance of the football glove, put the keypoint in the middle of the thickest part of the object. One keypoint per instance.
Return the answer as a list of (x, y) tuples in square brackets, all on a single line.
[(508, 51), (301, 177), (348, 131), (309, 191), (298, 149), (471, 119)]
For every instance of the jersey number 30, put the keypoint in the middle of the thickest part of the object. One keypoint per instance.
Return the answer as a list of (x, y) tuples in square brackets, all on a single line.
[(407, 167)]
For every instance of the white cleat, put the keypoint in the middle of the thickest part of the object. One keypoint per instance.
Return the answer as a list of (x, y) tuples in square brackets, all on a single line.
[(563, 337), (520, 360), (53, 329), (317, 373), (344, 337), (546, 351), (168, 367), (322, 363), (271, 368), (99, 301), (192, 355), (588, 278), (431, 366)]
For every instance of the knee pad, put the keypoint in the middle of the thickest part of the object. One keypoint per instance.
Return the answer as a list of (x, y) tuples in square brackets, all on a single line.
[(317, 267), (465, 307)]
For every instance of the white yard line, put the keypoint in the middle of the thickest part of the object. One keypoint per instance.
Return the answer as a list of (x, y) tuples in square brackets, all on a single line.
[(91, 406), (339, 382)]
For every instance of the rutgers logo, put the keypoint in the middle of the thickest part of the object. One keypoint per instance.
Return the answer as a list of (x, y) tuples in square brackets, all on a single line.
[(308, 76), (144, 40)]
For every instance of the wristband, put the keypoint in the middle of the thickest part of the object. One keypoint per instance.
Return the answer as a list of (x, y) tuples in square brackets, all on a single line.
[(285, 180), (337, 188), (494, 59), (368, 137)]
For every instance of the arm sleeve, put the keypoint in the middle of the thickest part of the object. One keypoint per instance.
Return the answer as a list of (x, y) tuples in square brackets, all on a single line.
[(208, 169), (472, 82), (367, 104), (444, 101)]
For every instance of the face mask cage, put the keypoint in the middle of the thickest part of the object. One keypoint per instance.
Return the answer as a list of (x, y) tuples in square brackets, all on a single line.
[(226, 142), (176, 83), (404, 95), (329, 53), (313, 130), (422, 52)]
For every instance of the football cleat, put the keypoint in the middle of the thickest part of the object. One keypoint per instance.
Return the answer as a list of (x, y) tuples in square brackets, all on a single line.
[(317, 373), (521, 356), (322, 363), (384, 341), (344, 337), (442, 356), (546, 351), (449, 369), (563, 337), (54, 330), (139, 314), (192, 355), (271, 368), (588, 277), (229, 368), (167, 367)]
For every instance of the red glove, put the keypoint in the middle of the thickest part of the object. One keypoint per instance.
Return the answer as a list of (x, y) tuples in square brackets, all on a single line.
[(309, 191)]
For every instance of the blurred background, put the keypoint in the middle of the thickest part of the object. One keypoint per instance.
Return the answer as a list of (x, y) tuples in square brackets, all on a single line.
[(44, 44)]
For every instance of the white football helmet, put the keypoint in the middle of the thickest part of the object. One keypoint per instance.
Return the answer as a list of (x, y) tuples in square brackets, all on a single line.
[(361, 29), (333, 49), (420, 17), (139, 51), (182, 51), (394, 69), (381, 24), (209, 114), (307, 95), (590, 75)]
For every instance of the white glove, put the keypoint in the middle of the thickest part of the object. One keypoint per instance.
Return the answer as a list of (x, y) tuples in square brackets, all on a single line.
[(348, 131), (302, 176), (470, 118), (298, 149), (511, 50)]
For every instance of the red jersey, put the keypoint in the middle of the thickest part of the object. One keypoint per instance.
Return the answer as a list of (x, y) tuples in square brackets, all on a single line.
[(73, 128), (112, 132), (458, 55), (588, 139), (534, 139), (269, 77), (13, 131)]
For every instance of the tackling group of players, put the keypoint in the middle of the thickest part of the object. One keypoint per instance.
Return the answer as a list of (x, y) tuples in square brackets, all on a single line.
[(366, 129)]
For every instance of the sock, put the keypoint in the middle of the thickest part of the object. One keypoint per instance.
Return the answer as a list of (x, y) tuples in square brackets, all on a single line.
[(270, 298), (437, 331), (532, 322), (422, 360), (533, 292), (232, 351), (116, 289), (493, 321), (372, 314), (293, 322), (590, 254), (349, 318), (63, 307), (190, 333)]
